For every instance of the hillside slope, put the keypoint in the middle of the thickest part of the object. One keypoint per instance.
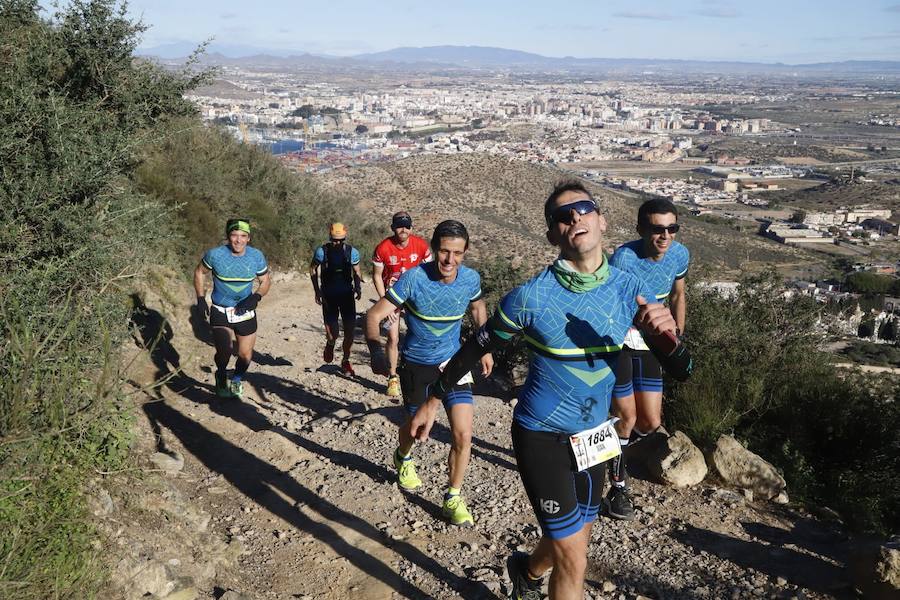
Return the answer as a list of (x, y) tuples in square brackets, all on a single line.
[(290, 493), (501, 202)]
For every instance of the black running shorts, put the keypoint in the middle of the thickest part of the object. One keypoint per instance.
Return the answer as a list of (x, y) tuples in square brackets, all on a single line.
[(341, 306), (414, 381), (637, 371), (564, 499), (218, 319)]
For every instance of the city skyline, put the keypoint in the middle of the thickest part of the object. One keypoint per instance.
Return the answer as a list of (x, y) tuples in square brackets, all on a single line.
[(798, 32)]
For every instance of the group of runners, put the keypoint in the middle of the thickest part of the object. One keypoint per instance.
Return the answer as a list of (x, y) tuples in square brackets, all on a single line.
[(599, 332)]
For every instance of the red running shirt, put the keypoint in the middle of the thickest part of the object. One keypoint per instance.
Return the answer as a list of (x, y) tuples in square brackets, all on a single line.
[(396, 260)]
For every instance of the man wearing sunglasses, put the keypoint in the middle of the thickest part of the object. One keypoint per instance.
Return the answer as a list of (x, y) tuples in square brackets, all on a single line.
[(662, 264), (573, 316), (234, 266), (392, 257), (337, 284)]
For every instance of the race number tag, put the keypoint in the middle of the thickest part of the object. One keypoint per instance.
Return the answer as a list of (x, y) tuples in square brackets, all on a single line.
[(234, 317), (467, 378), (597, 445)]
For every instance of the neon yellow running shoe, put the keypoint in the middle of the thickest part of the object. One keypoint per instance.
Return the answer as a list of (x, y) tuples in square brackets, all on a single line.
[(406, 473), (236, 388), (456, 512), (393, 387)]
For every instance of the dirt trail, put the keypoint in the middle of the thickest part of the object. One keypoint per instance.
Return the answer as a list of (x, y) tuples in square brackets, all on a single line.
[(299, 473)]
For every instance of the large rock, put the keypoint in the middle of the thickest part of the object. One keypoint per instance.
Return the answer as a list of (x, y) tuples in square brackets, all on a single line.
[(876, 571), (743, 469), (677, 462)]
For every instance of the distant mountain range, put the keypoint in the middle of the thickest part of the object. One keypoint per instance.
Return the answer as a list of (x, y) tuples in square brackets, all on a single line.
[(490, 58)]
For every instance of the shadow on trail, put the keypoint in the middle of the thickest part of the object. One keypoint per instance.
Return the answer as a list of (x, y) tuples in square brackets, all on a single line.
[(256, 479), (323, 405), (203, 333), (825, 539), (796, 567)]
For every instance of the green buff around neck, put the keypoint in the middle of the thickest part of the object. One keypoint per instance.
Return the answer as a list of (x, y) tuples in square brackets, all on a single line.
[(577, 282)]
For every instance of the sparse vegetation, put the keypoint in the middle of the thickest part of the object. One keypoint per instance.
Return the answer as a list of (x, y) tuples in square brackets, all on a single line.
[(757, 376), (73, 108), (204, 176)]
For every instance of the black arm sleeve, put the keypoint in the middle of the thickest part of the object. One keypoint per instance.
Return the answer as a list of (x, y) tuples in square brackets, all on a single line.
[(484, 341), (678, 364)]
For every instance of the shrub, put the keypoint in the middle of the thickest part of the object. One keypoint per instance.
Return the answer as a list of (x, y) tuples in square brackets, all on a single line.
[(759, 375), (73, 108), (205, 176)]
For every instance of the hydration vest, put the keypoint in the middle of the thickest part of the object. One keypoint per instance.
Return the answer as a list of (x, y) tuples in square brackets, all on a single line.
[(333, 271)]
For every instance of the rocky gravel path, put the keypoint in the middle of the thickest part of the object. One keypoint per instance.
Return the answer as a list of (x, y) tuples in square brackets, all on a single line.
[(296, 481)]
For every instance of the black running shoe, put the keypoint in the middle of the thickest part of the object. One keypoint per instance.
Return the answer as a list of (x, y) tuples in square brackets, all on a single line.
[(619, 504), (523, 588)]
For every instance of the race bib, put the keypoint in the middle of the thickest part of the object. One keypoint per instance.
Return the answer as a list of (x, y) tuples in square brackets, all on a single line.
[(234, 317), (467, 378), (594, 446)]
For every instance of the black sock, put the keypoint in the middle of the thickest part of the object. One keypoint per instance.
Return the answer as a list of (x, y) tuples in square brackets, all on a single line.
[(617, 470), (240, 367)]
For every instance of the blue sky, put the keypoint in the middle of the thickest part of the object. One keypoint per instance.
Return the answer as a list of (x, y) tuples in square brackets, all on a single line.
[(791, 31)]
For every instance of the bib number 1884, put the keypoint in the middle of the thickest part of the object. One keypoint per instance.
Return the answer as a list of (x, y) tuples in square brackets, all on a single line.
[(597, 445)]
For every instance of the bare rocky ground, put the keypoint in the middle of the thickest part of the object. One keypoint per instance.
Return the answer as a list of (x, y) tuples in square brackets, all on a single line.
[(289, 493)]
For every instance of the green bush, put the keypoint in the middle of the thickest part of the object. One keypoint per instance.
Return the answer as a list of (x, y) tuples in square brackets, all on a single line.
[(759, 376), (864, 282), (205, 176), (74, 106)]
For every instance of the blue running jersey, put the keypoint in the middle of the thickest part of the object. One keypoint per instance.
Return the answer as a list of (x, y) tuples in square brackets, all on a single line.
[(659, 275), (434, 310), (575, 340), (233, 275)]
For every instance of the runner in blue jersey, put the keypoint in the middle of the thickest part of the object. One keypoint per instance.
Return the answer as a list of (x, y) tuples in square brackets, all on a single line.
[(235, 265), (435, 296), (574, 316), (661, 263)]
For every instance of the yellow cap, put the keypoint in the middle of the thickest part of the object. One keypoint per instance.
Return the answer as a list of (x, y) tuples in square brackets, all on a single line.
[(338, 231)]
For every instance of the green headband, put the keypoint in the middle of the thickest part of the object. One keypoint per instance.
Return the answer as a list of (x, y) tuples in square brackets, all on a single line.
[(239, 226)]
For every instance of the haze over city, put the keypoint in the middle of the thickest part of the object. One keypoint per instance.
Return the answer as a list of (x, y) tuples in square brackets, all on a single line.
[(799, 32)]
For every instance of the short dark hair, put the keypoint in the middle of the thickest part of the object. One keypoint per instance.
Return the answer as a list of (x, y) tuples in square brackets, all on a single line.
[(567, 185), (655, 206), (448, 229)]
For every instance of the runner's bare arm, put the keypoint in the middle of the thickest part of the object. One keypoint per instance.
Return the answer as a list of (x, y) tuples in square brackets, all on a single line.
[(480, 316), (374, 316), (678, 303), (357, 281), (265, 282), (377, 272), (200, 279), (314, 277)]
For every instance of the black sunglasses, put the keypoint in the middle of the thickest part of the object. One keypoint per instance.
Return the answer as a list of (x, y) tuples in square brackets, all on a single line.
[(661, 229), (563, 214), (404, 222)]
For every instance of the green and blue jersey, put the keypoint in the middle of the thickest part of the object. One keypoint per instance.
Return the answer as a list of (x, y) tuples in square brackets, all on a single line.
[(233, 275), (659, 275), (575, 339), (433, 310)]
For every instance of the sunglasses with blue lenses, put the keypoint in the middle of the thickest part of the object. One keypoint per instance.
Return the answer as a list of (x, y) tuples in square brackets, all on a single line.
[(563, 214)]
